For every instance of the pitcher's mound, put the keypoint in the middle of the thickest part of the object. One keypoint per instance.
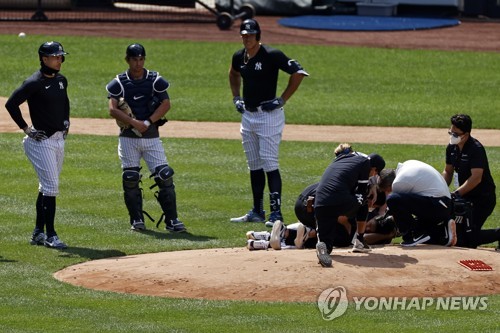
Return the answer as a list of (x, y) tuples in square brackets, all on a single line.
[(292, 275)]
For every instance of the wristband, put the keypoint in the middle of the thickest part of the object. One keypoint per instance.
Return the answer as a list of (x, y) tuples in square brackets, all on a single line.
[(147, 123)]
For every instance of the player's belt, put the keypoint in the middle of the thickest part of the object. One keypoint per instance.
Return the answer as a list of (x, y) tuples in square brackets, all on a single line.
[(255, 109)]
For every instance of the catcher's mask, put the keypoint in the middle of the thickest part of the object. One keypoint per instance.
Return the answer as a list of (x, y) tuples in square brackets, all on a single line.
[(250, 27), (135, 50), (51, 49)]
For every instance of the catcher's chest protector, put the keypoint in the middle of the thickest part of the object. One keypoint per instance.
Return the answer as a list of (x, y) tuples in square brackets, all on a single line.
[(138, 93)]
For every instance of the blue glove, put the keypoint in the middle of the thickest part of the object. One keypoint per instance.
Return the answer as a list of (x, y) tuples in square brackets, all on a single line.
[(239, 103), (35, 134), (272, 104)]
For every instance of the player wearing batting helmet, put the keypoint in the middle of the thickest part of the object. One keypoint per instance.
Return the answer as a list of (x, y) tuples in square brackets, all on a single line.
[(46, 94), (145, 92), (262, 115)]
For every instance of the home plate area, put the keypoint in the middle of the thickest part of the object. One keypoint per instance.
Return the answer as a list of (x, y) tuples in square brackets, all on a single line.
[(294, 275)]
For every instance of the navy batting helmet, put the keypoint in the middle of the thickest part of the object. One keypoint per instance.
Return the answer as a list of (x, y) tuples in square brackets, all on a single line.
[(51, 49), (136, 50), (249, 27)]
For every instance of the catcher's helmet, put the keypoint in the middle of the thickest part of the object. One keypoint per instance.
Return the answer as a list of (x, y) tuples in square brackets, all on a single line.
[(136, 50), (51, 49), (249, 27)]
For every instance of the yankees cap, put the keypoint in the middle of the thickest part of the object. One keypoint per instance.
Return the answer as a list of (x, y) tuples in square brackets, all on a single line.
[(249, 27)]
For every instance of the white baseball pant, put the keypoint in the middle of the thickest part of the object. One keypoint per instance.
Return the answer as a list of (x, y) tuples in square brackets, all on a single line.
[(261, 132), (131, 150), (47, 157)]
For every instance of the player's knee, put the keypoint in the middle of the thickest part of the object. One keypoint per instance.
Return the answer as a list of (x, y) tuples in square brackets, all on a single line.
[(270, 165), (131, 178), (163, 176), (254, 164)]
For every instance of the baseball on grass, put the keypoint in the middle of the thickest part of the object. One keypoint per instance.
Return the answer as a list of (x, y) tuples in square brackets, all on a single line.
[(22, 35)]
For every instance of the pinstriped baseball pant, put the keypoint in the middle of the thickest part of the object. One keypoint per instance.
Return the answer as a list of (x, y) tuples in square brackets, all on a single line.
[(261, 133), (47, 157), (131, 150)]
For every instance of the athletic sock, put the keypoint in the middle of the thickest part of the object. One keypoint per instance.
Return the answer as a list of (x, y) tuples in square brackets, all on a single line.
[(258, 182), (39, 222), (49, 212)]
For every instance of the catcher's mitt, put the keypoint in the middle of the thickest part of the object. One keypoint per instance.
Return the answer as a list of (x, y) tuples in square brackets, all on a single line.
[(123, 106)]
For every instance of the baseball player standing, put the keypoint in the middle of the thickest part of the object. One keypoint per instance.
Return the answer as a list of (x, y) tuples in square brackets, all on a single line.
[(263, 117), (48, 103), (145, 92)]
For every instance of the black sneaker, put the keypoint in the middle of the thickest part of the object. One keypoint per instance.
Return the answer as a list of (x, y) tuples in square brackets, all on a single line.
[(138, 226), (415, 240), (175, 226), (55, 243), (323, 255), (38, 239)]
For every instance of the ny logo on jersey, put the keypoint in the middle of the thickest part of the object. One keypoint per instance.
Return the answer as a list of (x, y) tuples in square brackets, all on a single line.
[(61, 85), (258, 66)]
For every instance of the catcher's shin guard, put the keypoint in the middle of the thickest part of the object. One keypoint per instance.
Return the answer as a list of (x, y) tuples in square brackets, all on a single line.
[(275, 202), (165, 195), (133, 193)]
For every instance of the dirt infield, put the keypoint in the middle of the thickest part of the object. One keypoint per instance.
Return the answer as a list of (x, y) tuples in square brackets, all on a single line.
[(288, 275), (291, 275), (213, 130)]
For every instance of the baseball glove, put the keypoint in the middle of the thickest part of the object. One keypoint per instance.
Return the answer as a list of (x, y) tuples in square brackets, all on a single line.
[(123, 106)]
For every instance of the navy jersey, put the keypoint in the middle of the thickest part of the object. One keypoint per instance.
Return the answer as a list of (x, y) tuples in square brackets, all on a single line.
[(260, 73), (303, 210), (143, 96), (48, 102), (342, 179), (472, 156)]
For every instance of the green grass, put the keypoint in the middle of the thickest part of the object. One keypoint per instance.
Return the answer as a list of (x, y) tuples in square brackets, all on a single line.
[(351, 86), (347, 86), (212, 185)]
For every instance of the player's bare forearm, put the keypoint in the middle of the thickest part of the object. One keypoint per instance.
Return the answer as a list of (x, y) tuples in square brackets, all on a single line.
[(118, 114), (234, 82), (293, 84), (160, 111)]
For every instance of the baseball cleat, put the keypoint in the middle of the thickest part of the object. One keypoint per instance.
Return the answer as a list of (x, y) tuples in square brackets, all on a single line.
[(259, 235), (452, 233), (253, 245), (175, 226), (138, 226), (302, 236), (55, 243), (251, 216), (360, 247), (323, 256), (38, 239), (415, 241), (277, 235), (273, 217)]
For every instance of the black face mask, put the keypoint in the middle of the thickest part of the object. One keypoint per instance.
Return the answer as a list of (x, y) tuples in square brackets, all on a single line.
[(47, 70)]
